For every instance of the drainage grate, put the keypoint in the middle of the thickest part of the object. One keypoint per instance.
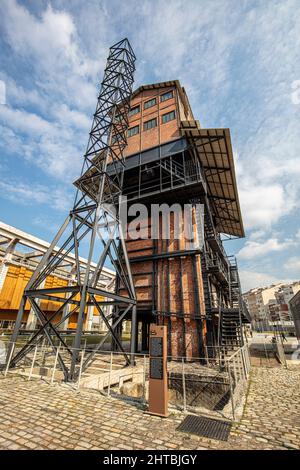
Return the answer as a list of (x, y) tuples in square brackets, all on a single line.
[(206, 427)]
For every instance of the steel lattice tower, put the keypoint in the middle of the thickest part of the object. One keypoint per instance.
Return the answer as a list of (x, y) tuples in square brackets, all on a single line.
[(95, 222)]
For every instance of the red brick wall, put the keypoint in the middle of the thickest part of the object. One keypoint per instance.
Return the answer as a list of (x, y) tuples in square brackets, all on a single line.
[(157, 135), (170, 296)]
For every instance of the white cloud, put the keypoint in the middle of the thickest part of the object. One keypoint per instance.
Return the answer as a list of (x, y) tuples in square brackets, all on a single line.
[(268, 164), (262, 205), (55, 147), (257, 234), (293, 264), (50, 43), (28, 194), (49, 224), (54, 135), (24, 122), (252, 279), (71, 117), (253, 249), (51, 39)]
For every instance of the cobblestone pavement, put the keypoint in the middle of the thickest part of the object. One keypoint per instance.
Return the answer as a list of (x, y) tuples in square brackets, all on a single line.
[(35, 415)]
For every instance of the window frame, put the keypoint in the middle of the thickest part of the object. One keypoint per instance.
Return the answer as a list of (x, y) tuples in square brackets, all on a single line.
[(166, 114), (162, 100), (131, 113), (146, 122), (131, 128), (149, 101)]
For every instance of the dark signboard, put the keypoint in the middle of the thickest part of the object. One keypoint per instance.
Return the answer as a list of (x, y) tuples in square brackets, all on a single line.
[(156, 347), (158, 375), (156, 367)]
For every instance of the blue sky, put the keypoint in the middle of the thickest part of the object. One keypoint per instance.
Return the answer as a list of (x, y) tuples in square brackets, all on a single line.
[(239, 62)]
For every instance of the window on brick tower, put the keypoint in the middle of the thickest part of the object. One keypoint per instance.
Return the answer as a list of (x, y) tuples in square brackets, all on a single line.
[(149, 124), (134, 110), (150, 103), (133, 131), (166, 96), (168, 117)]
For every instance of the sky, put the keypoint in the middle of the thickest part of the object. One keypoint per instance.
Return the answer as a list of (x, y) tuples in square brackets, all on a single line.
[(239, 63)]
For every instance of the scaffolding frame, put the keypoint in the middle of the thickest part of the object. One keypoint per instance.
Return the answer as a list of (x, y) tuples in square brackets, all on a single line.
[(94, 221)]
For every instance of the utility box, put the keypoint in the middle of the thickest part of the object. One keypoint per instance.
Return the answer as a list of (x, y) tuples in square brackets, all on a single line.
[(158, 375)]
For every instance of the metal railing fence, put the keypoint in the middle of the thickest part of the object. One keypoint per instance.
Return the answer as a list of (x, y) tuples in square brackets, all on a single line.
[(215, 385)]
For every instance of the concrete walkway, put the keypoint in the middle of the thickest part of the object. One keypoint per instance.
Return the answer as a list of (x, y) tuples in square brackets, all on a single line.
[(35, 415)]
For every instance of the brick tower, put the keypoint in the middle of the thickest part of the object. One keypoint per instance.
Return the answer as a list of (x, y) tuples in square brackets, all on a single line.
[(171, 159)]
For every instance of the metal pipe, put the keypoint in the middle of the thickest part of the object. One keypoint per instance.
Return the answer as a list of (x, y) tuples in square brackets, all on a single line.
[(9, 358), (55, 364), (80, 369), (133, 334), (183, 386), (231, 392), (110, 371), (33, 361)]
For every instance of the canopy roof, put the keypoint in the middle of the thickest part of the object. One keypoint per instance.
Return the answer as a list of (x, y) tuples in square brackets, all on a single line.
[(213, 147)]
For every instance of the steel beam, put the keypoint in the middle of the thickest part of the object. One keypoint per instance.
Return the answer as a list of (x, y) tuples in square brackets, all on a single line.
[(97, 192)]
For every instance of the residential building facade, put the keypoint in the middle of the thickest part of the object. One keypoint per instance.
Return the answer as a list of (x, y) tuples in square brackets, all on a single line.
[(270, 305)]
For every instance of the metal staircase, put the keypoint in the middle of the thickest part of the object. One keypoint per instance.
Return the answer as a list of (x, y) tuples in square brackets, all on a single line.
[(210, 331), (231, 337)]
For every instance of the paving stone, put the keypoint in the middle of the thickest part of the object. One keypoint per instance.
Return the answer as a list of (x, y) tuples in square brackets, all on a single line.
[(34, 418)]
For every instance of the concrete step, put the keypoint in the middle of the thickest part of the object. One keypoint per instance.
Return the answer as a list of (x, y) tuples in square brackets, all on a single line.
[(100, 381)]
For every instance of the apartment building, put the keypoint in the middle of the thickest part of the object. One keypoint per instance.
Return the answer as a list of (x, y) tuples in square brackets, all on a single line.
[(271, 304)]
